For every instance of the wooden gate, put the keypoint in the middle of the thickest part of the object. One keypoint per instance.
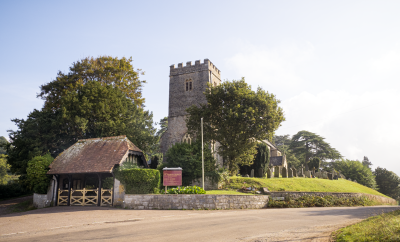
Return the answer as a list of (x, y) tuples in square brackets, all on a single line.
[(106, 197), (62, 197), (85, 197)]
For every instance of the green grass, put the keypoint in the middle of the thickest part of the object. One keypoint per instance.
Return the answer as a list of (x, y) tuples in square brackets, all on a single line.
[(226, 192), (301, 185), (385, 227)]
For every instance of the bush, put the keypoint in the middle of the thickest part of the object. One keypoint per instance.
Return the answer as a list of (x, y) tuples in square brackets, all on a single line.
[(261, 160), (37, 178), (139, 181), (315, 201), (186, 190), (12, 190)]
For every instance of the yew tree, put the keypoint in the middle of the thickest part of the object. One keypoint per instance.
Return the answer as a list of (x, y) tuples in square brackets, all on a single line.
[(237, 117)]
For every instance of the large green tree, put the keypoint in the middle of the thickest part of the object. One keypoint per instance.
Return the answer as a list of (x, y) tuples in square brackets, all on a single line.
[(388, 182), (106, 70), (355, 170), (236, 117), (79, 110), (307, 145)]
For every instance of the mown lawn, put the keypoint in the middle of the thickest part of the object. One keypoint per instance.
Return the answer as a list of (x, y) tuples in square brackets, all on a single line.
[(385, 227), (301, 185)]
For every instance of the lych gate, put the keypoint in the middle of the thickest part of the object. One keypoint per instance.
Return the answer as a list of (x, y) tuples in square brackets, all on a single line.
[(84, 172), (86, 189)]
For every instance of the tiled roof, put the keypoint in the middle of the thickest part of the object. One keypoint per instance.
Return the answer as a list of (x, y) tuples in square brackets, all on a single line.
[(276, 161), (93, 155)]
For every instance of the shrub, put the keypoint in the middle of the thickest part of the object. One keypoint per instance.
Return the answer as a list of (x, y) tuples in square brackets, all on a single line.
[(261, 161), (139, 181), (37, 179), (12, 189), (186, 190), (315, 201)]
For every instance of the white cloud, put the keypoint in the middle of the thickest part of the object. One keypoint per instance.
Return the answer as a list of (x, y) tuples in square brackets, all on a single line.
[(356, 124), (276, 67), (387, 62)]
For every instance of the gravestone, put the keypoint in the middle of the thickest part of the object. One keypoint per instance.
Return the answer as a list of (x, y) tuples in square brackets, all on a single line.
[(330, 176), (290, 172), (284, 172), (261, 172), (252, 173), (269, 173), (318, 174), (301, 172), (324, 175), (276, 171), (294, 172), (335, 177)]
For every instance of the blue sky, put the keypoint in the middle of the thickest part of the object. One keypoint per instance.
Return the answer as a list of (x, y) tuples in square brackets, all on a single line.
[(333, 64)]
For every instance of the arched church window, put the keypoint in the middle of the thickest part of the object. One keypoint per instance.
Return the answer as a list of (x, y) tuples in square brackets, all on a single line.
[(187, 139), (189, 85)]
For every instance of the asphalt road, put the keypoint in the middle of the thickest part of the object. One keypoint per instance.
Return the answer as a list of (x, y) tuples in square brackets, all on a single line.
[(94, 223)]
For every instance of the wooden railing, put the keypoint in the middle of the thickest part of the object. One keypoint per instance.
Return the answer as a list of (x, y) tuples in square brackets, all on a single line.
[(85, 197)]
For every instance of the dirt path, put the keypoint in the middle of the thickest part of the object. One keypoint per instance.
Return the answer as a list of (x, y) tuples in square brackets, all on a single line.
[(6, 204)]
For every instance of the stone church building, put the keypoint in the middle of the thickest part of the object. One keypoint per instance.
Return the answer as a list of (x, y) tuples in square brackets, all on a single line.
[(187, 85)]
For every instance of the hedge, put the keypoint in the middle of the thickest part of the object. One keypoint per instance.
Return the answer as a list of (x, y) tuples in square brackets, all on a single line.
[(139, 181), (12, 190)]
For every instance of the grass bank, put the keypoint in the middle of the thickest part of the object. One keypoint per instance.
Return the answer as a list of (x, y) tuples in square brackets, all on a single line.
[(385, 227), (226, 192), (297, 184)]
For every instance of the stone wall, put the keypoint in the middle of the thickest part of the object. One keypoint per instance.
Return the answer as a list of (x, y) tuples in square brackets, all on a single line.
[(295, 195), (40, 200), (195, 201)]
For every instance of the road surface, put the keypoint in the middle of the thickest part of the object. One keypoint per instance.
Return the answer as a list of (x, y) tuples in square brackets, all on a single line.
[(111, 224)]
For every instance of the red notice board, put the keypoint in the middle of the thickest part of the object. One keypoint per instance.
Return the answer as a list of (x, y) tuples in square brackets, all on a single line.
[(172, 177)]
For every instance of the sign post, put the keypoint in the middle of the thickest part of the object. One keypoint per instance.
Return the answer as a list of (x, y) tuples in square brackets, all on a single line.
[(172, 177), (202, 154)]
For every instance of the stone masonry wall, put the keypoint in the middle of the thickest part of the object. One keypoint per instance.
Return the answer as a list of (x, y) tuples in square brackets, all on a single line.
[(195, 201), (295, 195), (40, 200)]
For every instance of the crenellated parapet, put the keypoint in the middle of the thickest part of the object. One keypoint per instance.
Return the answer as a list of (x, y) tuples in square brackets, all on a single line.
[(207, 65)]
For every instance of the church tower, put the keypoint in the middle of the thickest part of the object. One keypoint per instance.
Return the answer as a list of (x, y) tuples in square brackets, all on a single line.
[(187, 85)]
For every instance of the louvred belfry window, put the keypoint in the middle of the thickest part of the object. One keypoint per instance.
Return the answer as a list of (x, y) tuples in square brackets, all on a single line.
[(189, 85)]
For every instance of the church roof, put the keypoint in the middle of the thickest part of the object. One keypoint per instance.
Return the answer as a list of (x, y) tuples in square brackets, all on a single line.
[(276, 161), (98, 155)]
